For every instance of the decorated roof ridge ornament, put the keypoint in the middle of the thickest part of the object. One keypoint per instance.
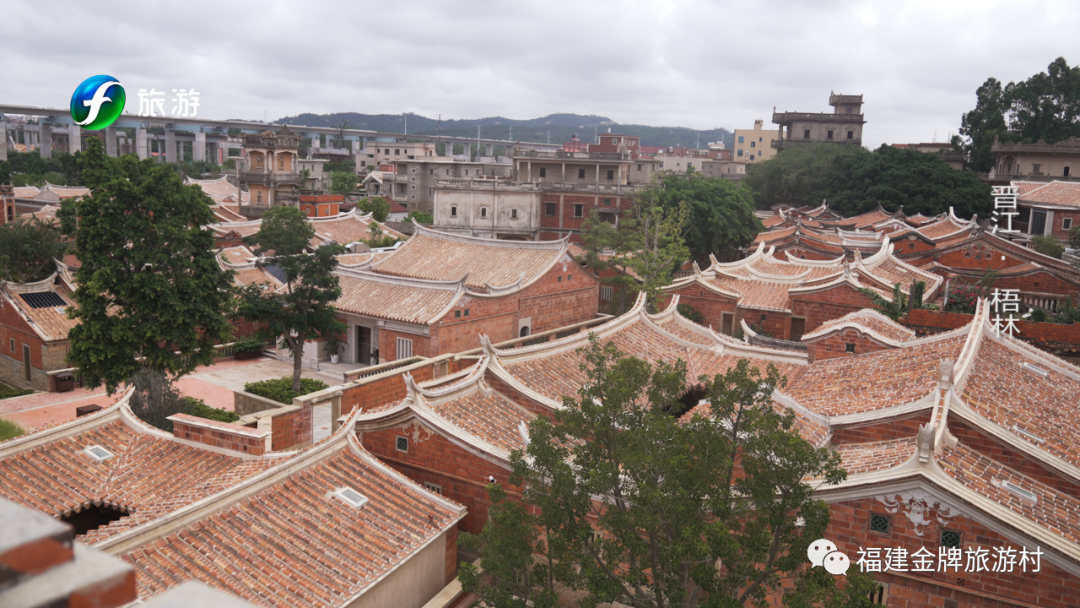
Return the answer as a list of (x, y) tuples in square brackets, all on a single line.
[(697, 269), (916, 506)]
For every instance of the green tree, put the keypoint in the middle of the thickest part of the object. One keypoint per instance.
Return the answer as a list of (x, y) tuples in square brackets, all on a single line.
[(342, 182), (27, 250), (606, 254), (303, 309), (798, 175), (1046, 107), (646, 248), (640, 508), (1048, 245), (895, 308), (720, 212), (424, 218), (378, 206), (150, 284)]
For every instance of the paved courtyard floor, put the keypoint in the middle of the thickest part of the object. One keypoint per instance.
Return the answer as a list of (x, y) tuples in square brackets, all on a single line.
[(214, 384)]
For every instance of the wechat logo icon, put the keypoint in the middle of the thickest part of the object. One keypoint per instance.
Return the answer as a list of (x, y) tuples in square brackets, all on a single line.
[(823, 553)]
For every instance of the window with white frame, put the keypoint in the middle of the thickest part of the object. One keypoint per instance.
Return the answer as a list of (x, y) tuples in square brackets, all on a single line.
[(1066, 223), (606, 292), (432, 487), (404, 348)]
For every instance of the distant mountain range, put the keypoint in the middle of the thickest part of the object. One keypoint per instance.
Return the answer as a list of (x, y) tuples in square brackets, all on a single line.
[(555, 128)]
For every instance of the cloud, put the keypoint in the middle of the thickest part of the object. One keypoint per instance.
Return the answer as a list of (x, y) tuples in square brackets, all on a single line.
[(695, 63)]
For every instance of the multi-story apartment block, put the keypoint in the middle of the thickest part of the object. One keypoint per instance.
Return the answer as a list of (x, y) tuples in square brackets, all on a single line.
[(381, 152), (1039, 162), (843, 126), (755, 145), (415, 181)]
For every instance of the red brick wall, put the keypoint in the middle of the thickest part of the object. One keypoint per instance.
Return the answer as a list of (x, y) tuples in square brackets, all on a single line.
[(836, 345), (533, 406), (1038, 282), (977, 255), (590, 201), (381, 391), (422, 346), (849, 529), (709, 303), (431, 458), (934, 322), (13, 325), (829, 304), (1058, 229), (220, 437), (776, 324), (895, 429), (291, 429)]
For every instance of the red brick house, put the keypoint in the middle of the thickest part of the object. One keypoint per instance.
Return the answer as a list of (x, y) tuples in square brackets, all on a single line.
[(34, 330), (437, 293)]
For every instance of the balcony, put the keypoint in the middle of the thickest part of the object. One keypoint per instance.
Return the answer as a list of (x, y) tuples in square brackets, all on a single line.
[(583, 156), (786, 117), (270, 177)]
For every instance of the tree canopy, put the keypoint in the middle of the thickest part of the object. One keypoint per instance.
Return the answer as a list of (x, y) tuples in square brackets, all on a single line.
[(377, 206), (633, 506), (303, 309), (720, 212), (30, 169), (27, 250), (853, 180), (1046, 107), (150, 284), (342, 182)]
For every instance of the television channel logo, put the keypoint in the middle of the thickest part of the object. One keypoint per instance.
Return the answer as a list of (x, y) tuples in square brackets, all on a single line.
[(97, 102)]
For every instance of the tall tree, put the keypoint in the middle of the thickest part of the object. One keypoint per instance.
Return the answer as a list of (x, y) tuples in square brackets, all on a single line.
[(652, 512), (799, 175), (150, 284), (27, 250), (720, 212), (647, 247), (302, 309), (342, 182), (982, 125)]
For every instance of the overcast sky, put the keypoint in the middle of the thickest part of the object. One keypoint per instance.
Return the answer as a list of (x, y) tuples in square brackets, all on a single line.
[(694, 64)]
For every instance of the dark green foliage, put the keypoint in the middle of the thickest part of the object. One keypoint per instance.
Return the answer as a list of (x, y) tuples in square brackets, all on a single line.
[(427, 218), (334, 167), (1066, 313), (10, 429), (853, 180), (30, 169), (27, 250), (1074, 237), (720, 212), (304, 309), (342, 182), (150, 284), (198, 407), (155, 399), (918, 288), (281, 389), (249, 345), (1048, 245), (196, 169), (725, 486), (893, 309), (378, 206), (1046, 107), (10, 391), (691, 313)]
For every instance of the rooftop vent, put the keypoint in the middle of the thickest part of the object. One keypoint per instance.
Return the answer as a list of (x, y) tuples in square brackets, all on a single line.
[(98, 453), (1021, 492), (351, 497), (1028, 434), (1036, 370)]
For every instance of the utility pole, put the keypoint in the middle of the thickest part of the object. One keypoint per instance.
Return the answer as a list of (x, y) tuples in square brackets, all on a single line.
[(477, 140), (406, 125)]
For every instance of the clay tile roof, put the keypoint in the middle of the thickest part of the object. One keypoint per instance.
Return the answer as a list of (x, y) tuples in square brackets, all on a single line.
[(408, 301), (71, 261), (148, 475), (218, 189), (241, 260), (491, 417), (868, 319), (847, 385), (770, 236), (226, 213), (25, 191), (758, 294), (347, 228), (811, 430), (1001, 389), (294, 543), (874, 456), (67, 191), (487, 262), (1053, 508), (50, 322), (1024, 187), (1066, 194), (941, 228)]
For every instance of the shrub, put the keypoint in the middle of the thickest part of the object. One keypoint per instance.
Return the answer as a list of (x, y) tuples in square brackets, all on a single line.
[(248, 345), (280, 389), (1048, 245), (691, 313), (10, 429), (10, 391), (200, 409), (1074, 237)]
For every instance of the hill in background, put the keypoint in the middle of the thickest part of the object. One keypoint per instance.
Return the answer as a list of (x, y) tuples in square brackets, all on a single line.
[(555, 128)]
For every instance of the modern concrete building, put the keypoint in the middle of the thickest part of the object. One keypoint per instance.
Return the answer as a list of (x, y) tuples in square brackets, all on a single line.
[(414, 183), (755, 145), (843, 126), (1039, 162)]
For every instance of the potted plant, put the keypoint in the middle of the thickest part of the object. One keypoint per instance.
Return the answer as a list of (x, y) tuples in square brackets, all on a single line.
[(333, 345), (248, 348)]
